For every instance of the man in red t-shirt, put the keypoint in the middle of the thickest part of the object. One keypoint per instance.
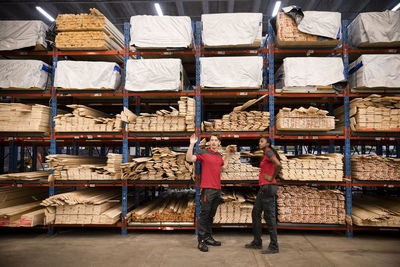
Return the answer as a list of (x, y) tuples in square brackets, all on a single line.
[(210, 198)]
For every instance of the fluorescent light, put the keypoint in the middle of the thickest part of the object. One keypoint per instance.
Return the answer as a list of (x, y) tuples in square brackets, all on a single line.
[(44, 13), (276, 8), (396, 7), (158, 8)]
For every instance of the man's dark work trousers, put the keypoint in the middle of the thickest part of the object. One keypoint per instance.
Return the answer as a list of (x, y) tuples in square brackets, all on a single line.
[(265, 202), (209, 199)]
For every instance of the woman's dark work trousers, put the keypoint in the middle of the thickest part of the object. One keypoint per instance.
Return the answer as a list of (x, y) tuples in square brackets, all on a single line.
[(265, 202), (209, 199)]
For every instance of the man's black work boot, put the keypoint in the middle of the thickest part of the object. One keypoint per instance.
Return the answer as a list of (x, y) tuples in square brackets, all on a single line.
[(254, 245), (212, 242), (202, 246)]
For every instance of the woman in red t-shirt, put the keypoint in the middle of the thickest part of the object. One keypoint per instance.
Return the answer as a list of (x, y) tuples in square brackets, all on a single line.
[(270, 167)]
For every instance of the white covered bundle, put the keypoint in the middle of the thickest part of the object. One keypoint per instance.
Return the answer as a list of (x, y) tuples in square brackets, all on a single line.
[(309, 71), (17, 34), (375, 29), (375, 71), (162, 74), (228, 29), (161, 31), (23, 74), (231, 72), (87, 75)]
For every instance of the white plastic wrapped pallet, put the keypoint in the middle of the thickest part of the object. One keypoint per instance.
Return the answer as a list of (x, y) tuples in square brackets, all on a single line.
[(16, 34), (231, 29), (309, 71), (231, 72), (161, 31), (87, 75), (375, 71), (163, 74), (23, 74), (371, 28)]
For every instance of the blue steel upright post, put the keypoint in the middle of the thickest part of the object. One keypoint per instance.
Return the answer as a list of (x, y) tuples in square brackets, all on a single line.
[(271, 82)]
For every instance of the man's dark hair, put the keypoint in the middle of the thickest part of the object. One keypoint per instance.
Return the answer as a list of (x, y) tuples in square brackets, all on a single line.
[(216, 135)]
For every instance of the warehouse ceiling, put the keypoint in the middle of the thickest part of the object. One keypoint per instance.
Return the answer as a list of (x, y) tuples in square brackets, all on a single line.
[(119, 12)]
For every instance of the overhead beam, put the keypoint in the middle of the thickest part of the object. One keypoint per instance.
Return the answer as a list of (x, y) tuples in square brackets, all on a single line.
[(256, 5), (205, 7), (179, 7), (231, 6)]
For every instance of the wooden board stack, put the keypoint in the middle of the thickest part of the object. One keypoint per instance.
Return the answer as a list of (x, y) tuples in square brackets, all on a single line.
[(25, 176), (301, 119), (238, 170), (326, 167), (87, 32), (372, 114), (180, 120), (375, 168), (16, 117), (165, 164), (21, 207), (170, 207), (304, 204), (376, 211), (87, 206), (85, 119)]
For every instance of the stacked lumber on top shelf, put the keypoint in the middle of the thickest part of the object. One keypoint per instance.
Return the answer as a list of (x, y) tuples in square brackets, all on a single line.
[(326, 167), (85, 119), (72, 167), (87, 206), (164, 164), (301, 119), (375, 168), (376, 211), (372, 114), (240, 120), (16, 117), (304, 204), (21, 206), (177, 120), (169, 207), (25, 176)]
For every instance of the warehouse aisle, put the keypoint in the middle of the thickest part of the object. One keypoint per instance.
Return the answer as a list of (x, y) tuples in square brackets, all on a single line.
[(96, 247)]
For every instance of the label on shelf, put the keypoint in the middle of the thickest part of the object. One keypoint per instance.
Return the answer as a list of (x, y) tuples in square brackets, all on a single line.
[(300, 137), (313, 184), (378, 138), (166, 138), (390, 186), (253, 51), (157, 138), (309, 52), (90, 136), (235, 136), (315, 137), (243, 93), (392, 50), (97, 94), (165, 185), (391, 138), (76, 137), (10, 138), (92, 185), (221, 52), (169, 228), (167, 53), (19, 185)]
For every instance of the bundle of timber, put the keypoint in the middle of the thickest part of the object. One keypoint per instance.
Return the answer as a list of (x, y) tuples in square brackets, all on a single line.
[(21, 207), (87, 206), (372, 114), (87, 32), (165, 164), (16, 117), (236, 208), (375, 168), (71, 167), (326, 167), (304, 204), (237, 170), (301, 119), (240, 120), (376, 211), (25, 176), (172, 206), (177, 120), (85, 119)]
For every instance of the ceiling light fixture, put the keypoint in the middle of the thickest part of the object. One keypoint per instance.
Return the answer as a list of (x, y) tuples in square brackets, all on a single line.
[(158, 8), (396, 7), (44, 13), (276, 8)]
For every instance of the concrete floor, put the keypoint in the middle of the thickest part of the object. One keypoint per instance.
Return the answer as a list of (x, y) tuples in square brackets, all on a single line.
[(106, 247)]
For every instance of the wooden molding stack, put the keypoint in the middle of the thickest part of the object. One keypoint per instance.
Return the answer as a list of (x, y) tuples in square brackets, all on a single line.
[(25, 176), (375, 168), (16, 117), (301, 119), (237, 170)]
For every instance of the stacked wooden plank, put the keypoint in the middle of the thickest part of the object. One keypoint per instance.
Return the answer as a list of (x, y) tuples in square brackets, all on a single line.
[(177, 120), (237, 170), (85, 119), (326, 167), (376, 211), (375, 168), (301, 119), (72, 167), (87, 32), (165, 164), (16, 117), (21, 207), (87, 206), (25, 176), (170, 207), (304, 204), (372, 114)]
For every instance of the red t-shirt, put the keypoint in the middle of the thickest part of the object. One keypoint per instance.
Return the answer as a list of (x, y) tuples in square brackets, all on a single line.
[(267, 167), (211, 163)]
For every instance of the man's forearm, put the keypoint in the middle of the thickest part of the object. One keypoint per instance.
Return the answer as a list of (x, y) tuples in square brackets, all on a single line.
[(189, 153)]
